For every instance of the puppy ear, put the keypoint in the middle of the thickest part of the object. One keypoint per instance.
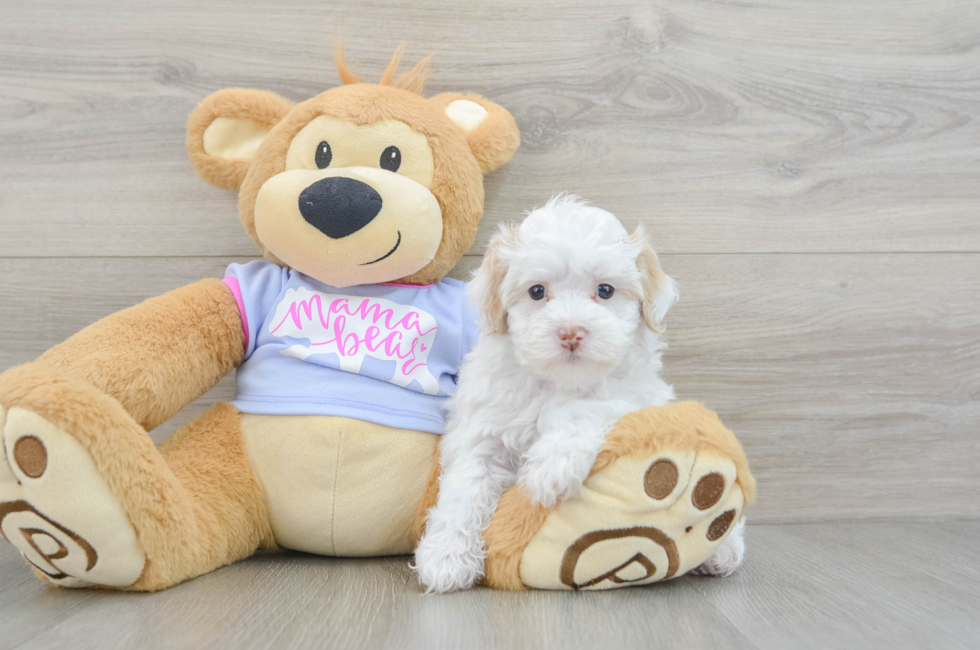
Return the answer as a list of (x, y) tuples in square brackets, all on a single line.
[(490, 130), (659, 291), (226, 129), (488, 281)]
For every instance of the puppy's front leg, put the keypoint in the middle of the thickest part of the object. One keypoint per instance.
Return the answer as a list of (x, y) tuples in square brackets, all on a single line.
[(572, 434), (450, 554), (556, 465)]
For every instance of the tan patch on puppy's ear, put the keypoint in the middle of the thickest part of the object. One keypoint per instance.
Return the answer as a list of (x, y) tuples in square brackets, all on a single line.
[(487, 285), (226, 129), (490, 130), (659, 291)]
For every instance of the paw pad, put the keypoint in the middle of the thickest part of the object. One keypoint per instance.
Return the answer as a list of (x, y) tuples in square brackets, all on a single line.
[(45, 540), (57, 509), (708, 490), (637, 568), (720, 525), (661, 479), (31, 456)]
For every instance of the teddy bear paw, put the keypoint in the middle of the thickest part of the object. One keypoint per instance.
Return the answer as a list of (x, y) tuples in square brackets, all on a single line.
[(57, 509), (642, 519)]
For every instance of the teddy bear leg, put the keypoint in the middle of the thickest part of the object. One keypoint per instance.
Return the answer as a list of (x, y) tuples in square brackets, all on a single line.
[(88, 499), (230, 512), (668, 487)]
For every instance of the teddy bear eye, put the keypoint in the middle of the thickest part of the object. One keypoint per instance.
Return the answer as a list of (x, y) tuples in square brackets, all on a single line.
[(391, 159), (605, 291), (323, 155), (537, 292)]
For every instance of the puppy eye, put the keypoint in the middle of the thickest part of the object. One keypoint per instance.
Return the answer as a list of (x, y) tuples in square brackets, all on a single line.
[(537, 292), (391, 159), (605, 291), (323, 155)]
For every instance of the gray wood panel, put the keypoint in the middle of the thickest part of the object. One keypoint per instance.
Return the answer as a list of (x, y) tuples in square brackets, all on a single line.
[(852, 380), (893, 586), (809, 170), (834, 126)]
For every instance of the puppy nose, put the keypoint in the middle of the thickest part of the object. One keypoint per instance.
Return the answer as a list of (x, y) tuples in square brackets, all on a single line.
[(571, 336), (339, 206)]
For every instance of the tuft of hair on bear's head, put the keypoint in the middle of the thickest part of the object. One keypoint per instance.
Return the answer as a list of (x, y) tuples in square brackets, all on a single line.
[(412, 81)]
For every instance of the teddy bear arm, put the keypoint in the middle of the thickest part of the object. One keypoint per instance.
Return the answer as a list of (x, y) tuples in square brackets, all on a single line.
[(160, 355)]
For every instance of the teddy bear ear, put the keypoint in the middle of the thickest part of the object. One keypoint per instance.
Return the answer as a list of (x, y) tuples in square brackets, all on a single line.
[(490, 129), (226, 129)]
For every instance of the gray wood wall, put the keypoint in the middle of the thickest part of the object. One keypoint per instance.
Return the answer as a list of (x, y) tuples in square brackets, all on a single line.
[(810, 172)]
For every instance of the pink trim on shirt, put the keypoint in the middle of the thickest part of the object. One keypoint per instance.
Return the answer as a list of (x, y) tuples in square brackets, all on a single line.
[(413, 286), (236, 291)]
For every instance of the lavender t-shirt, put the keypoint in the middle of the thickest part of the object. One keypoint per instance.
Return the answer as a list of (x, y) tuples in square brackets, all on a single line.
[(383, 353)]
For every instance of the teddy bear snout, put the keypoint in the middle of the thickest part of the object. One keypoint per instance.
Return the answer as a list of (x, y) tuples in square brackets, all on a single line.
[(339, 206)]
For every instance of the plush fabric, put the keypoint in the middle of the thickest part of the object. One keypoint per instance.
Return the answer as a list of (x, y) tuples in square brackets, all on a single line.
[(526, 542), (57, 501), (89, 500), (194, 504), (193, 335), (494, 139), (222, 497), (338, 486), (512, 528), (408, 223), (667, 487), (682, 427), (255, 110), (459, 159), (457, 177)]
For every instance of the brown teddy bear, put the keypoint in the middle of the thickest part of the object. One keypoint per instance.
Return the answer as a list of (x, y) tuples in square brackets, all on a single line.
[(347, 339)]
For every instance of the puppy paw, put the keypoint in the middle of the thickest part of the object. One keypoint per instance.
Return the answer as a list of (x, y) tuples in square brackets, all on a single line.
[(449, 562), (556, 478), (728, 557)]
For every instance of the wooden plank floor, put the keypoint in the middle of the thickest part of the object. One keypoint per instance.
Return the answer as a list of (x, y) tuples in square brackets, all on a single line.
[(808, 170), (887, 585)]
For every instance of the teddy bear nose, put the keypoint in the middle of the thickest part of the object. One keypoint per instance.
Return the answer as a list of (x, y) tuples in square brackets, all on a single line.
[(339, 206)]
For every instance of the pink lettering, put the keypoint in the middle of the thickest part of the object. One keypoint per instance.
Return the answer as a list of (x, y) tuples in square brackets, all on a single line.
[(400, 339)]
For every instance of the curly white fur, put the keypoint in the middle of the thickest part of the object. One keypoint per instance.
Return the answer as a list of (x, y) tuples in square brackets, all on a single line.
[(533, 407)]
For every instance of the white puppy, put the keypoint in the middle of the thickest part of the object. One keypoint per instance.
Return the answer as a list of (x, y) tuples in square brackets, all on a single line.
[(571, 306)]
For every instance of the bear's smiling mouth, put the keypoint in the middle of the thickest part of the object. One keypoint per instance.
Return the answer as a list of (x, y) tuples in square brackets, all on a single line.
[(388, 254)]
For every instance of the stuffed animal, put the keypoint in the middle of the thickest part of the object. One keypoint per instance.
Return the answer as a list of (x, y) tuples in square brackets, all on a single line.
[(347, 338)]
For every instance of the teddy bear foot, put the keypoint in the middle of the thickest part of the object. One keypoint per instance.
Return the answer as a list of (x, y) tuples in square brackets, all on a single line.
[(670, 484), (57, 509)]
